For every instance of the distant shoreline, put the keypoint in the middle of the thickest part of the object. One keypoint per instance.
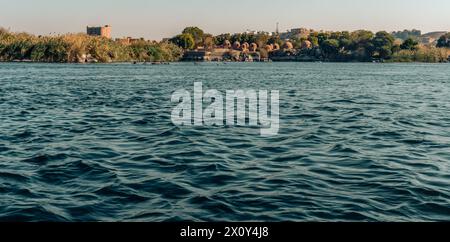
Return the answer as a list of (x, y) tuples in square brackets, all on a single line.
[(218, 62), (193, 44)]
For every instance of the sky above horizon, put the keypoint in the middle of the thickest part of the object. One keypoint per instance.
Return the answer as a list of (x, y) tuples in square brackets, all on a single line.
[(156, 19)]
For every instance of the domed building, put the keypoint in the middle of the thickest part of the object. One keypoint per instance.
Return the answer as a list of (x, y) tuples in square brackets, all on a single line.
[(276, 46), (306, 44), (288, 45), (226, 44), (269, 47), (245, 46), (236, 45)]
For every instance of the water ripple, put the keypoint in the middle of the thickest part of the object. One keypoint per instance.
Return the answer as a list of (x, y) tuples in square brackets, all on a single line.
[(358, 142)]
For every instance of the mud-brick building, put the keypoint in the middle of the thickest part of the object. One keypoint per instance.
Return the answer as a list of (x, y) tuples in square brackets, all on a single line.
[(221, 54), (104, 31)]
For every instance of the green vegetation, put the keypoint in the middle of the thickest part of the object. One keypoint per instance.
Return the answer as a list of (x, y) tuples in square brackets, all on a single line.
[(361, 45), (383, 44), (407, 34), (185, 41), (330, 48), (428, 54), (196, 33), (77, 48), (444, 41), (410, 44), (155, 52)]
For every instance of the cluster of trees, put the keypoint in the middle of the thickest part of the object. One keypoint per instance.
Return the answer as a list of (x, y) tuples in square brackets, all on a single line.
[(81, 48), (194, 37), (444, 41), (153, 51), (359, 45), (364, 45), (407, 34)]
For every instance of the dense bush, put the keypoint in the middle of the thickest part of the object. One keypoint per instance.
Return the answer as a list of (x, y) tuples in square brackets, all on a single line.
[(422, 54), (361, 45), (407, 34), (81, 48), (444, 41)]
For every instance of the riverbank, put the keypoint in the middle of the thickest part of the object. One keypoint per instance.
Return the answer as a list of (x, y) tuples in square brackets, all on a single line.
[(358, 46), (81, 48), (225, 62)]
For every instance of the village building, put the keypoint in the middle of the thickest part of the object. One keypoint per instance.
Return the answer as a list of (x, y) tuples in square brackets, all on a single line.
[(227, 52), (129, 40), (104, 31), (296, 33)]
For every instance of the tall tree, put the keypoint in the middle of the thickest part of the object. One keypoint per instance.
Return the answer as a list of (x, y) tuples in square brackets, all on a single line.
[(362, 46), (196, 33), (409, 44), (383, 43), (220, 39), (208, 41), (444, 41), (185, 41), (330, 47)]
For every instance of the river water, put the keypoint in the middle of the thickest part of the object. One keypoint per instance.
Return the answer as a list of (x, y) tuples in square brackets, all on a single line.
[(357, 142)]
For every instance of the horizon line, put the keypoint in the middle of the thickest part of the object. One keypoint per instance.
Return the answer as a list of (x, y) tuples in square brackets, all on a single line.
[(10, 29)]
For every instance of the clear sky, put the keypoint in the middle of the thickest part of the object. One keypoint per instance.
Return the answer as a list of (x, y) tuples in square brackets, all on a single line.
[(155, 19)]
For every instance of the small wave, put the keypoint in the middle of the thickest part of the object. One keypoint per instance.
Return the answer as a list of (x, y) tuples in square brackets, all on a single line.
[(31, 214), (3, 148), (343, 101), (24, 135), (388, 134), (350, 148), (339, 148), (44, 159), (13, 177)]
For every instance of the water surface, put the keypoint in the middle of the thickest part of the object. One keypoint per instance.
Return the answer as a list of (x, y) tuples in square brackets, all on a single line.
[(358, 142)]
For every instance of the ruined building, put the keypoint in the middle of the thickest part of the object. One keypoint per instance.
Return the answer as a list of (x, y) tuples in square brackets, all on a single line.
[(99, 31)]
